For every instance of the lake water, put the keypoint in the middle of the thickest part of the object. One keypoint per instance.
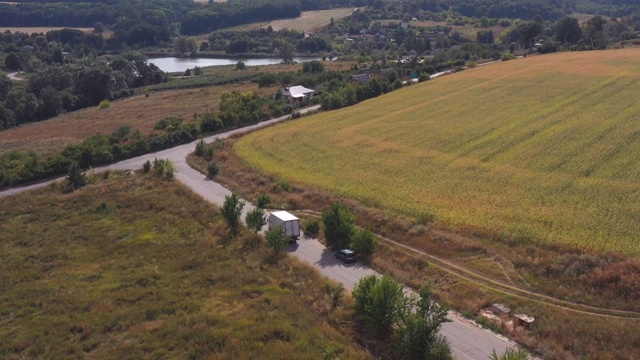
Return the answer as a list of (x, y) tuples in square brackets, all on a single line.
[(173, 64)]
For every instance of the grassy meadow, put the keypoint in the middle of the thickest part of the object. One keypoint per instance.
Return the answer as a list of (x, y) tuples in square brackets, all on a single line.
[(135, 267), (308, 20), (540, 150)]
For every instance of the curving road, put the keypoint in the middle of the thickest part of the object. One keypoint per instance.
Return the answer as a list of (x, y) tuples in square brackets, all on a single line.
[(467, 340)]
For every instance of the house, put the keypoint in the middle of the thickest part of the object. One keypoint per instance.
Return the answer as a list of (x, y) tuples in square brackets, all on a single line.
[(359, 78), (297, 94)]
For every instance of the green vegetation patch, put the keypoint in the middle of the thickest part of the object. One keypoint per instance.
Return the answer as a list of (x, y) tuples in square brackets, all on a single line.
[(541, 149), (131, 267)]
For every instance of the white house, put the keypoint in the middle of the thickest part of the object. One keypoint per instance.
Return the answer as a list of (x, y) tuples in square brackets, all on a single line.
[(297, 94)]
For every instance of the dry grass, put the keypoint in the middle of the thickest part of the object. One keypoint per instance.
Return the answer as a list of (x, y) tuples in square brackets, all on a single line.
[(140, 112), (137, 267), (308, 20), (542, 150)]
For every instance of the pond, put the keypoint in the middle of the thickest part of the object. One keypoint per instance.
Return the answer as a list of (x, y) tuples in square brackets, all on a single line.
[(173, 64)]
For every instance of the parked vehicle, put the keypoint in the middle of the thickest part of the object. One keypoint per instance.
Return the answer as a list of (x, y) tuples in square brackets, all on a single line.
[(346, 256), (289, 223)]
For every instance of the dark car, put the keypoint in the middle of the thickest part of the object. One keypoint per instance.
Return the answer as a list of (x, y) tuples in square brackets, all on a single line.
[(346, 255)]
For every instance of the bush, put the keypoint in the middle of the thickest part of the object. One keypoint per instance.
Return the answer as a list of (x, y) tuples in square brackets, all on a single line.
[(276, 238), (76, 178), (312, 228), (263, 200), (164, 168), (508, 56), (146, 167), (213, 169), (231, 211), (210, 123), (104, 104), (203, 150), (255, 220)]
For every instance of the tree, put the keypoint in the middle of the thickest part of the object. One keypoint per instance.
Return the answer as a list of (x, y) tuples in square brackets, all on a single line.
[(201, 147), (338, 226), (5, 86), (528, 33), (568, 30), (276, 238), (485, 37), (76, 178), (240, 65), (511, 354), (363, 242), (231, 211), (380, 302), (98, 27), (185, 45), (416, 335), (255, 220)]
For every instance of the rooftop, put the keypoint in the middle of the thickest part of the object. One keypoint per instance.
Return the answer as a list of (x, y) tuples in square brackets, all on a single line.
[(284, 216)]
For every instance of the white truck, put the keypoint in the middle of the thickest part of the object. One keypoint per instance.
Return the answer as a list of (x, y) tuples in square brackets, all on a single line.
[(289, 223)]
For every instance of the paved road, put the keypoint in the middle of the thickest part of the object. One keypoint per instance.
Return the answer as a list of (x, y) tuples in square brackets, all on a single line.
[(467, 340)]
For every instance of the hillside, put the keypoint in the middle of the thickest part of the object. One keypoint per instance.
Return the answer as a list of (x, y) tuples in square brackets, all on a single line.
[(542, 150), (136, 267)]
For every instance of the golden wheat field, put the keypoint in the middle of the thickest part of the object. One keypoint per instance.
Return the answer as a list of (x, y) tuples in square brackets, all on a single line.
[(543, 149)]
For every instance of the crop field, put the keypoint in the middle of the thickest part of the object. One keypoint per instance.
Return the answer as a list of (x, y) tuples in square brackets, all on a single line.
[(140, 112), (134, 267), (541, 150), (308, 20)]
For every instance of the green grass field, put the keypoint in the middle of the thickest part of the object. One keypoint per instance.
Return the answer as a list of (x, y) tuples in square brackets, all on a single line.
[(542, 149), (133, 267)]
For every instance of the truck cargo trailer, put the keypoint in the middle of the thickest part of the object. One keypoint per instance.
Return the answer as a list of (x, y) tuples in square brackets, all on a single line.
[(289, 223)]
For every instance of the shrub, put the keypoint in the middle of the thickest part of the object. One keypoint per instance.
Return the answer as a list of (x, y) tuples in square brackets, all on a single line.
[(210, 123), (263, 200), (508, 56), (255, 220), (312, 228), (76, 178), (201, 148), (104, 104), (231, 211), (276, 238), (213, 169), (146, 167), (164, 168)]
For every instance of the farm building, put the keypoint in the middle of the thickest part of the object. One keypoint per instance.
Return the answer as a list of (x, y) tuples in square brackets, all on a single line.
[(500, 310), (297, 94), (523, 320)]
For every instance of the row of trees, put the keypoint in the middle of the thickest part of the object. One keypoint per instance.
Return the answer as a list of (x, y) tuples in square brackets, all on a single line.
[(87, 13), (223, 15), (236, 109)]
